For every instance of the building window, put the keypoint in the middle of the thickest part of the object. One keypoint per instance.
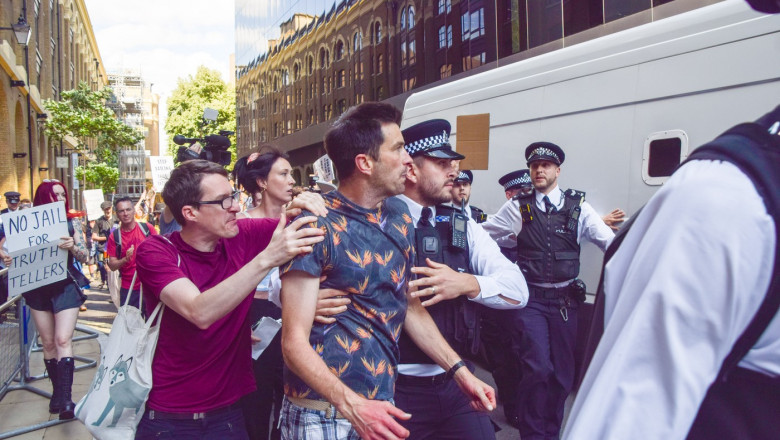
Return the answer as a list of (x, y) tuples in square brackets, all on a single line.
[(327, 112), (296, 72), (341, 79), (324, 59), (411, 17), (377, 34), (380, 93), (442, 37), (342, 106), (445, 71), (403, 18), (473, 24), (449, 36), (311, 117), (403, 53), (411, 52), (338, 52), (357, 41), (445, 6), (310, 65), (472, 61), (380, 63), (276, 106)]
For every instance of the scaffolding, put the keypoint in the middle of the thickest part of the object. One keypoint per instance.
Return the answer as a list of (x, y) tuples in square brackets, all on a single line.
[(128, 104)]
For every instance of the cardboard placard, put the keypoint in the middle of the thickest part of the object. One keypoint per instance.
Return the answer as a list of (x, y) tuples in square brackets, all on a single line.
[(35, 267), (161, 167), (92, 200), (472, 140)]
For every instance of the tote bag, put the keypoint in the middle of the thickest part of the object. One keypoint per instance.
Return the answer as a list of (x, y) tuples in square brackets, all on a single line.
[(115, 402)]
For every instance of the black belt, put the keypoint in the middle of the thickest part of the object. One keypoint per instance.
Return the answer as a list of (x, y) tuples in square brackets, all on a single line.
[(422, 381), (548, 292), (152, 414)]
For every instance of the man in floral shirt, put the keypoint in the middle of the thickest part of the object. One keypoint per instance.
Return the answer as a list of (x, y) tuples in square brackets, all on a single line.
[(341, 376)]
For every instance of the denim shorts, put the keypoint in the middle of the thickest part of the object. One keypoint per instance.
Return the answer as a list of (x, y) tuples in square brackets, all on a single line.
[(55, 297)]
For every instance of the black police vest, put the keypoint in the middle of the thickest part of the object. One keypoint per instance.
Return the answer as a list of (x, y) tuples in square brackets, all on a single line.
[(547, 248), (477, 214), (457, 319)]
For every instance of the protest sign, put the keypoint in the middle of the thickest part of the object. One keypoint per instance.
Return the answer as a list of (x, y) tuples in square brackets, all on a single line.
[(35, 226), (161, 170), (36, 266), (323, 168), (92, 200)]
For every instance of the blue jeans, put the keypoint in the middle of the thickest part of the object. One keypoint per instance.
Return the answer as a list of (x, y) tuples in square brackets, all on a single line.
[(228, 425)]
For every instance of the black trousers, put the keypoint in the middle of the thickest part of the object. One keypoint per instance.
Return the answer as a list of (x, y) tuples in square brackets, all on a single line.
[(440, 412), (502, 362), (544, 343)]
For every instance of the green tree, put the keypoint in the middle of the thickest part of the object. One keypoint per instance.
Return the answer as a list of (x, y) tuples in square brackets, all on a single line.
[(82, 114), (194, 94)]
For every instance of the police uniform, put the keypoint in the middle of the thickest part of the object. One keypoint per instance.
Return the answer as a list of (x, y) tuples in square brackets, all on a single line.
[(549, 230), (441, 410), (475, 213), (520, 179), (11, 197), (687, 282)]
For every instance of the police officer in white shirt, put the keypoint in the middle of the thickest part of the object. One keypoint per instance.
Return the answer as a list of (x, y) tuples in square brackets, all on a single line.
[(549, 225), (459, 267)]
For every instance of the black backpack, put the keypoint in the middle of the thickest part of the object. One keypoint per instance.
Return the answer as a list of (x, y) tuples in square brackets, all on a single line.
[(118, 236)]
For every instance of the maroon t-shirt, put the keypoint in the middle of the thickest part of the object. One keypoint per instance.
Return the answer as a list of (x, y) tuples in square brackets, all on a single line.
[(198, 370), (129, 238)]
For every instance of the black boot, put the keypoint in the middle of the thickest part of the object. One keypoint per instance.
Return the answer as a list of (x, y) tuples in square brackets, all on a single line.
[(66, 368), (55, 404)]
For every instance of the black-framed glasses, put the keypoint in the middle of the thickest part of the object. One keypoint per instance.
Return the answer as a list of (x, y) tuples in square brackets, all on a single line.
[(226, 203)]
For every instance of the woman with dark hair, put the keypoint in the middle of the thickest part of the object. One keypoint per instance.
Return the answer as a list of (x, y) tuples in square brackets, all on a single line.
[(55, 307), (267, 178)]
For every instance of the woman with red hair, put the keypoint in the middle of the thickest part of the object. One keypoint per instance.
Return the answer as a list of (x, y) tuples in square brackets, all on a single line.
[(55, 307)]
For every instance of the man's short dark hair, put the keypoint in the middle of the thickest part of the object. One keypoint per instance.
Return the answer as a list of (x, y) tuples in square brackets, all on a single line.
[(183, 187), (122, 199), (358, 131)]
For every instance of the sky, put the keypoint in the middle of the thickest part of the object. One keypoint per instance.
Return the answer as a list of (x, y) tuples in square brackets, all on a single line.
[(164, 39)]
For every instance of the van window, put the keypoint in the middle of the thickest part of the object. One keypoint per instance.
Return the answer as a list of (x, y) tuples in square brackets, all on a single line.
[(663, 152)]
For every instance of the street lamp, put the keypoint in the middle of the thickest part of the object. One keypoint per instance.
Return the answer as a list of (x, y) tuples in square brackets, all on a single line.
[(21, 30)]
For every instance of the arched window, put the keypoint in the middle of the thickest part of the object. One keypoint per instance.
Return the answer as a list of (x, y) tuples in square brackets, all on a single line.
[(338, 51), (403, 18), (411, 16), (296, 72), (357, 41), (377, 32), (310, 65), (324, 58)]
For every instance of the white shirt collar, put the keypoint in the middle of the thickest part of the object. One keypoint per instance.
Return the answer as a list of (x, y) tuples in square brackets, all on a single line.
[(555, 197)]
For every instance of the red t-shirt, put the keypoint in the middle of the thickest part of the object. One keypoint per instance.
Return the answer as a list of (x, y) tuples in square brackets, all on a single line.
[(198, 370), (129, 238)]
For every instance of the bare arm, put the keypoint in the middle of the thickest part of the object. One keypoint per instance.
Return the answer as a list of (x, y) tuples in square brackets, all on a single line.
[(372, 419), (75, 244), (116, 263), (205, 308)]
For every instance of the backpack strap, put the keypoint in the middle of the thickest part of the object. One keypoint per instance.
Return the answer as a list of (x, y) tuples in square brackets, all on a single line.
[(118, 240)]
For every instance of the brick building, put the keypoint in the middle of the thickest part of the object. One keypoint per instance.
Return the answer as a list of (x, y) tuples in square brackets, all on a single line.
[(60, 53), (361, 50)]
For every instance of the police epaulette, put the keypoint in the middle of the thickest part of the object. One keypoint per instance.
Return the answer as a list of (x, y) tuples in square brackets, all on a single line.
[(577, 196)]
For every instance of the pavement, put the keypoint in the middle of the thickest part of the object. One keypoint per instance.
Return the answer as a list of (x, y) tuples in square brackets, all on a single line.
[(21, 408)]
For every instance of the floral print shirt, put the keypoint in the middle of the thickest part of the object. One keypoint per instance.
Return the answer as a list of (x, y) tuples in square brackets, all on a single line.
[(366, 253)]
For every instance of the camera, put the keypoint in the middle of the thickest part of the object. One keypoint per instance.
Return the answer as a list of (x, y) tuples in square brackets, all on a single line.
[(214, 148)]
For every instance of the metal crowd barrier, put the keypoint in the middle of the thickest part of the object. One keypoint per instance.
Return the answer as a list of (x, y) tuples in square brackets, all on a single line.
[(18, 338)]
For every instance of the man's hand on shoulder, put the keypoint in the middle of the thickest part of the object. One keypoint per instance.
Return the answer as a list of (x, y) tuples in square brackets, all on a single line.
[(288, 242), (375, 419), (309, 201)]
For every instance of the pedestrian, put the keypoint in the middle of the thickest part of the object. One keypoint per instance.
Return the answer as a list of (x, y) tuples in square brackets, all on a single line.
[(340, 377), (206, 276), (549, 225), (121, 246), (55, 307)]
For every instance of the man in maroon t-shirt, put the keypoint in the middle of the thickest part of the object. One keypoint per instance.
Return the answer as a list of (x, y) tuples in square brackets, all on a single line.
[(131, 235), (206, 276)]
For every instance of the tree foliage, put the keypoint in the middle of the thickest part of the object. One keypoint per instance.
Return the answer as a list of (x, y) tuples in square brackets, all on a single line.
[(194, 94), (82, 114)]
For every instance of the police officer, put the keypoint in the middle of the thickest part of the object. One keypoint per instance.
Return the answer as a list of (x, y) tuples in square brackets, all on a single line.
[(12, 200), (549, 224), (458, 267), (514, 183), (461, 194)]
